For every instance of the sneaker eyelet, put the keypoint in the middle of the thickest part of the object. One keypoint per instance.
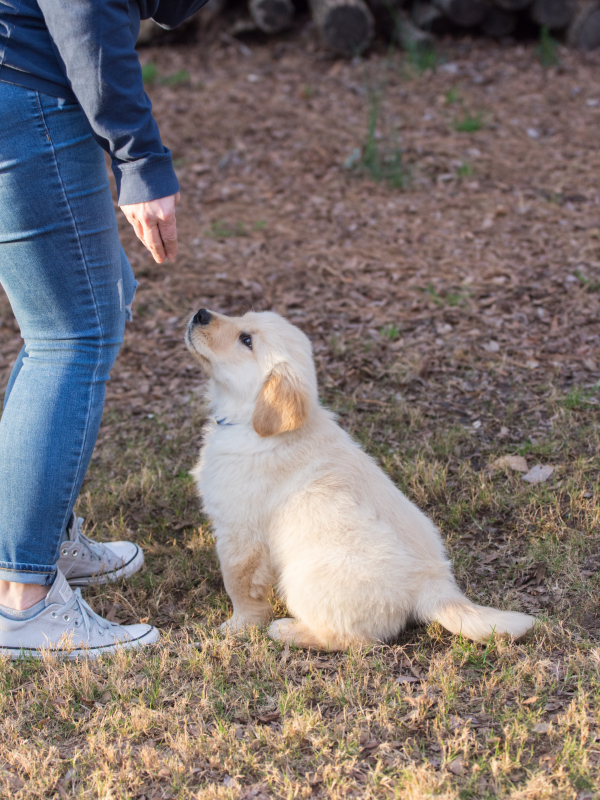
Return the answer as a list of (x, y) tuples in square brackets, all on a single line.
[(77, 623), (75, 552), (101, 631), (53, 614), (64, 551), (66, 617)]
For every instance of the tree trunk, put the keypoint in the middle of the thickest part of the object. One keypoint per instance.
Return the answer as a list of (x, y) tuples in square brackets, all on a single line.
[(346, 25), (513, 5), (584, 32), (272, 16), (553, 13), (465, 13), (499, 23)]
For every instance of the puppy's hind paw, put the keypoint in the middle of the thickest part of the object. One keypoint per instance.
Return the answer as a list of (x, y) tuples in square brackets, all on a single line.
[(282, 630)]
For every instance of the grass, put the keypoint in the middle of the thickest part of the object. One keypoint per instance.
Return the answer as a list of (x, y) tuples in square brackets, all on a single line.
[(547, 49), (382, 161), (430, 715), (421, 57), (150, 76), (468, 123)]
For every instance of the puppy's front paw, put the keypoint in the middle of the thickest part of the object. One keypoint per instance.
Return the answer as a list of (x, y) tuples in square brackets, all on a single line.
[(234, 624), (282, 630)]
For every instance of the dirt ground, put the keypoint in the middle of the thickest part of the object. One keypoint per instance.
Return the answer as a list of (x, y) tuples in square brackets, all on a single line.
[(453, 310)]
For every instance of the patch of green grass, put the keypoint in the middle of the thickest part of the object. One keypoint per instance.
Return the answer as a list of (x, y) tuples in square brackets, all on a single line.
[(149, 72), (390, 332), (547, 49), (421, 57), (465, 170), (181, 76), (150, 75), (452, 95), (593, 286), (381, 161), (579, 398), (433, 294), (469, 123), (223, 230)]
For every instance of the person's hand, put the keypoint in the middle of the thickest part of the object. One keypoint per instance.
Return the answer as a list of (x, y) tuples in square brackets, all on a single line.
[(155, 225)]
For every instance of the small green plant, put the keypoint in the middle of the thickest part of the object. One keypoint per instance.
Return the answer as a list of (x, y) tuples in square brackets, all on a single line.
[(259, 225), (431, 291), (390, 332), (181, 76), (593, 286), (149, 72), (421, 57), (579, 398), (465, 170), (380, 162), (547, 49), (469, 123), (222, 230), (452, 95)]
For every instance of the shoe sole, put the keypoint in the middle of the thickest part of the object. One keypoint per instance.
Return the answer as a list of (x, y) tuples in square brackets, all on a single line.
[(150, 637), (128, 569)]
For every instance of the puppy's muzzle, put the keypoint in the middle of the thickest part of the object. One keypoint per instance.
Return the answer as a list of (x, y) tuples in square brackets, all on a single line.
[(201, 317)]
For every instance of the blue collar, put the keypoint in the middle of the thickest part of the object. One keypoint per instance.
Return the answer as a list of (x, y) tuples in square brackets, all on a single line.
[(223, 421)]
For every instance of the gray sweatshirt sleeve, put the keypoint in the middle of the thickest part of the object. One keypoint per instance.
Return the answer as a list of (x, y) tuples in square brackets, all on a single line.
[(95, 43)]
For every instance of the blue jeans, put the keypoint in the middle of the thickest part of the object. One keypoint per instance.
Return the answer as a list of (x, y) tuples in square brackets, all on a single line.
[(71, 288)]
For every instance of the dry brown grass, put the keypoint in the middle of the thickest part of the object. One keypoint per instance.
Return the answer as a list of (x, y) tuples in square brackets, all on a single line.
[(402, 294)]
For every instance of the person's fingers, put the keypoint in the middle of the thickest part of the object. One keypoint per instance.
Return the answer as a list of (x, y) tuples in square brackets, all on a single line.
[(153, 241), (137, 227), (177, 198), (168, 234)]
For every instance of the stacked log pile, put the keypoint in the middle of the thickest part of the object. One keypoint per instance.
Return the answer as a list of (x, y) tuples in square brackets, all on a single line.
[(347, 27)]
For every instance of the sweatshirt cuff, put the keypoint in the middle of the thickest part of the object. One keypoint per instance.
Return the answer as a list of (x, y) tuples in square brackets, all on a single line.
[(142, 181)]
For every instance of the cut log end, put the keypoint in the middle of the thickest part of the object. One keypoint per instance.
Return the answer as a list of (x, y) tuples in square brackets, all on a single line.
[(348, 30), (553, 14), (584, 33), (272, 16), (466, 13), (513, 5), (499, 23)]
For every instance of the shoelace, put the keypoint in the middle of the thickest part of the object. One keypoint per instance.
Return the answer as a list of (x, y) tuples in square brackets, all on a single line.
[(87, 615), (98, 550)]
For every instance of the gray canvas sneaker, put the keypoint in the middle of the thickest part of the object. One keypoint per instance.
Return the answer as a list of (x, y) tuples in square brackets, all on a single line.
[(68, 626), (83, 561)]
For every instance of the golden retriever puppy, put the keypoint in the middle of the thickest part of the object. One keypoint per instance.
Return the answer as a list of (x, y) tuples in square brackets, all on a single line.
[(296, 503)]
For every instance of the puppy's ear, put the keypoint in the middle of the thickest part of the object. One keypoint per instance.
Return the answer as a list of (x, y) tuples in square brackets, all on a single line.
[(282, 404)]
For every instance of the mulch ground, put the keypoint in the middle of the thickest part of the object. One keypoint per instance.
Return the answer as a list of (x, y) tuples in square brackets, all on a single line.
[(480, 276)]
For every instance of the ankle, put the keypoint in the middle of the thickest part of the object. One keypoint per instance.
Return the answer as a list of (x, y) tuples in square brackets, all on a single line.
[(20, 596)]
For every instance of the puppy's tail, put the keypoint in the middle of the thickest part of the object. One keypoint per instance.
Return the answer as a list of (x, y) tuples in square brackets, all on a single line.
[(461, 616)]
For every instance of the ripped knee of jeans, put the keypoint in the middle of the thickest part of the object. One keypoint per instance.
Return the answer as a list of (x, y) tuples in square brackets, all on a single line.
[(125, 303)]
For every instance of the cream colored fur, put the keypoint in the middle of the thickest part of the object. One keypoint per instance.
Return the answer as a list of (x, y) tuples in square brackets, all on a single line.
[(306, 510)]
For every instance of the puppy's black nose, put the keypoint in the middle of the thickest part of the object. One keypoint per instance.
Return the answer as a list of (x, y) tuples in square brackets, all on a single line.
[(202, 317)]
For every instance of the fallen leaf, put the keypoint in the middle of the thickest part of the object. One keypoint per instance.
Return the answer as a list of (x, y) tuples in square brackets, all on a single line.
[(541, 727), (266, 718), (14, 782), (517, 463), (530, 700), (407, 679), (457, 767), (538, 474)]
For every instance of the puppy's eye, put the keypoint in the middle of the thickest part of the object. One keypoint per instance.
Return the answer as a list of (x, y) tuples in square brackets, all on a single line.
[(246, 340)]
